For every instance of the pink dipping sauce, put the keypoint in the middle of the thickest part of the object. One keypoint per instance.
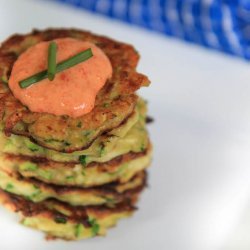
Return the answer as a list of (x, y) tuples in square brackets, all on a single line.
[(73, 91)]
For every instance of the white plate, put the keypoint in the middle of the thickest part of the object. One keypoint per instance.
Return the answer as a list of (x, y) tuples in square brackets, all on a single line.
[(199, 181)]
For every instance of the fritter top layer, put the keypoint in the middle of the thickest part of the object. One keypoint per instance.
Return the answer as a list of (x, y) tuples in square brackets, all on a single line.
[(114, 103)]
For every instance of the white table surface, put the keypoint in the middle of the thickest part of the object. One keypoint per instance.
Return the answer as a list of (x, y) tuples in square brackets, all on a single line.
[(200, 178)]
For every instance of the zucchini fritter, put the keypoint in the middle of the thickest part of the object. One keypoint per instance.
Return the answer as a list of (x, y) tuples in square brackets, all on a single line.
[(114, 103), (37, 191), (121, 169), (73, 178), (131, 136), (59, 220)]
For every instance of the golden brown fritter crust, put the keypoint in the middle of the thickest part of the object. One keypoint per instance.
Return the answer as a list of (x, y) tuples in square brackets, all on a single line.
[(114, 102)]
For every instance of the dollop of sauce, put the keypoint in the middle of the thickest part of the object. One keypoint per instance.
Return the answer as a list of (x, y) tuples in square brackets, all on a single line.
[(73, 91)]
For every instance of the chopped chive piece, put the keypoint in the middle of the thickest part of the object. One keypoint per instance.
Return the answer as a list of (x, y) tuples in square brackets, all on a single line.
[(106, 105), (143, 148), (33, 79), (27, 197), (66, 64), (28, 166), (36, 193), (9, 186), (45, 174), (78, 230), (33, 147), (109, 200), (52, 61), (60, 220), (95, 226), (83, 159), (74, 60), (102, 150), (87, 133), (69, 178)]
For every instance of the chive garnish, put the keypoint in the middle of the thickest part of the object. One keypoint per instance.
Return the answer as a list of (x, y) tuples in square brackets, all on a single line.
[(52, 61), (66, 64), (33, 79)]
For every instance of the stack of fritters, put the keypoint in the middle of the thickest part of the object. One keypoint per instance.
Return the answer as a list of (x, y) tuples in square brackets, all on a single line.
[(74, 177)]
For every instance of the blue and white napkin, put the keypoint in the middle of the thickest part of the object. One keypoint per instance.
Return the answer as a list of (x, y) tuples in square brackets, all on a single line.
[(220, 24)]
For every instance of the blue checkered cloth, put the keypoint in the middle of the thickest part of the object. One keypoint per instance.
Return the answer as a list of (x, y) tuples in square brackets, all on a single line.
[(220, 24)]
